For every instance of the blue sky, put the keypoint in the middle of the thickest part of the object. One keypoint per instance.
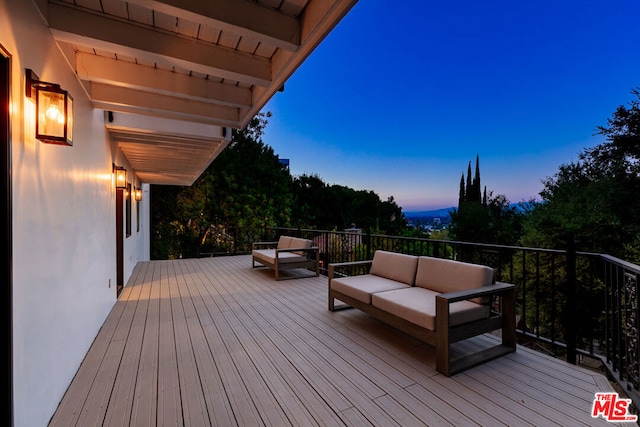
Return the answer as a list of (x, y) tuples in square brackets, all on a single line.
[(402, 95)]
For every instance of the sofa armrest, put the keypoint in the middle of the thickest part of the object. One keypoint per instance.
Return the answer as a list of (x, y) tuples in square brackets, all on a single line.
[(497, 288), (333, 267), (258, 245), (446, 335)]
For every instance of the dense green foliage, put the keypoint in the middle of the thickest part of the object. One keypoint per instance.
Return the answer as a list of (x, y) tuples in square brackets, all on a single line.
[(322, 206), (594, 201), (247, 186)]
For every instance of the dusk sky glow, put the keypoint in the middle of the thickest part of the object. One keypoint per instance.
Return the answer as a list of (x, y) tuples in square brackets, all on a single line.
[(402, 95)]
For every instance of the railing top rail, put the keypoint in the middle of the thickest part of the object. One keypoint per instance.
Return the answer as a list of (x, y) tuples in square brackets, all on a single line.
[(621, 263), (449, 242)]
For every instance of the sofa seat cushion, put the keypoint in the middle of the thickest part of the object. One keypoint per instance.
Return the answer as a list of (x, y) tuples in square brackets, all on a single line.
[(269, 256), (361, 287), (418, 305), (395, 266)]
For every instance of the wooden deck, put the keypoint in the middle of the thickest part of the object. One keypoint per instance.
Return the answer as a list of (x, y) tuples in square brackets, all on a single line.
[(214, 342)]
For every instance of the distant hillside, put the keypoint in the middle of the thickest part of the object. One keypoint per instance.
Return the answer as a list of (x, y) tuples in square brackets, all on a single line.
[(437, 213), (443, 213)]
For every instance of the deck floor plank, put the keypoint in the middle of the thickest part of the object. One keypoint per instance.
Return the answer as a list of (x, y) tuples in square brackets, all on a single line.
[(216, 342), (213, 389), (169, 404), (221, 341), (124, 387), (144, 409), (99, 398)]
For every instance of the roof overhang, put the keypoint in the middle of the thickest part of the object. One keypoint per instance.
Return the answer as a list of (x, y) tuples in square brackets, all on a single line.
[(202, 66)]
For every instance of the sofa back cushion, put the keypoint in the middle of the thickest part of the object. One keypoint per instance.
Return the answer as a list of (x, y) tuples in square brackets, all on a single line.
[(445, 275), (284, 242), (395, 266), (298, 243)]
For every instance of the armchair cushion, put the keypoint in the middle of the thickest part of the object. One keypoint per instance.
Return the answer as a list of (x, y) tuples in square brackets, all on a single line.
[(268, 255)]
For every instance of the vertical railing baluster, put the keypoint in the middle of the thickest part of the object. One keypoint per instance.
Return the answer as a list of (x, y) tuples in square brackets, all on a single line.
[(552, 299), (607, 311), (525, 321), (618, 324), (570, 303), (537, 300)]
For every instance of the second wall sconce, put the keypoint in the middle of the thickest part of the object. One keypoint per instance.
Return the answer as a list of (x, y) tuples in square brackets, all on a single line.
[(121, 177)]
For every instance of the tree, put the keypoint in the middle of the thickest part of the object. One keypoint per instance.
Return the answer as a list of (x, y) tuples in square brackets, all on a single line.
[(318, 205), (623, 137), (594, 201), (476, 181), (482, 217), (309, 207), (247, 186)]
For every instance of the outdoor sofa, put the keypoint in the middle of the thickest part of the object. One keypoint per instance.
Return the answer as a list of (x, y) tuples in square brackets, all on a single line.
[(287, 253), (438, 301)]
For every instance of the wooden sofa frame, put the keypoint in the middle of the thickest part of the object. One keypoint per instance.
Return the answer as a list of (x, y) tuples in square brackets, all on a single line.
[(309, 260), (444, 334)]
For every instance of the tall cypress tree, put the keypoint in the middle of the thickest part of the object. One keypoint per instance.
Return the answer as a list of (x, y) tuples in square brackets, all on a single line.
[(469, 191), (476, 181), (481, 217), (472, 191)]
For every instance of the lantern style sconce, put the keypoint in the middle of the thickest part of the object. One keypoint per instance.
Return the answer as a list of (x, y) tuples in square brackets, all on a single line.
[(138, 194), (54, 110), (121, 177)]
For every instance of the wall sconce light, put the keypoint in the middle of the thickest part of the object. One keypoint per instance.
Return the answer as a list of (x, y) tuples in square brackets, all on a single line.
[(54, 110), (138, 194), (121, 177)]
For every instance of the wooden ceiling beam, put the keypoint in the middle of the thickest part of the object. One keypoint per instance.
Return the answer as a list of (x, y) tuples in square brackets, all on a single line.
[(135, 76), (247, 19), (122, 99), (82, 27)]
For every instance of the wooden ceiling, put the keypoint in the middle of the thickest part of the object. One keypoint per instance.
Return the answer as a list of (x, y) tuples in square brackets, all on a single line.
[(176, 75)]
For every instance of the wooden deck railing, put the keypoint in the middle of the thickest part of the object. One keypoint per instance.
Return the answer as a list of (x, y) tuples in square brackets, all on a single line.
[(569, 304)]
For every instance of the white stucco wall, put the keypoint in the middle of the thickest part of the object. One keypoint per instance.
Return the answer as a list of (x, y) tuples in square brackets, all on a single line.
[(64, 247)]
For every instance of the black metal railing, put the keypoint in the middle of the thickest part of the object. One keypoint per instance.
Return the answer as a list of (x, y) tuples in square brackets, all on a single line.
[(569, 304), (621, 327)]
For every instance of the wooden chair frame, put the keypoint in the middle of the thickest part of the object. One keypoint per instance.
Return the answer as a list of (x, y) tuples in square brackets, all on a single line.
[(309, 260)]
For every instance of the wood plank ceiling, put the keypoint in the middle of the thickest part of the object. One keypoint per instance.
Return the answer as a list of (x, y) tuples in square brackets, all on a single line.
[(176, 75)]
